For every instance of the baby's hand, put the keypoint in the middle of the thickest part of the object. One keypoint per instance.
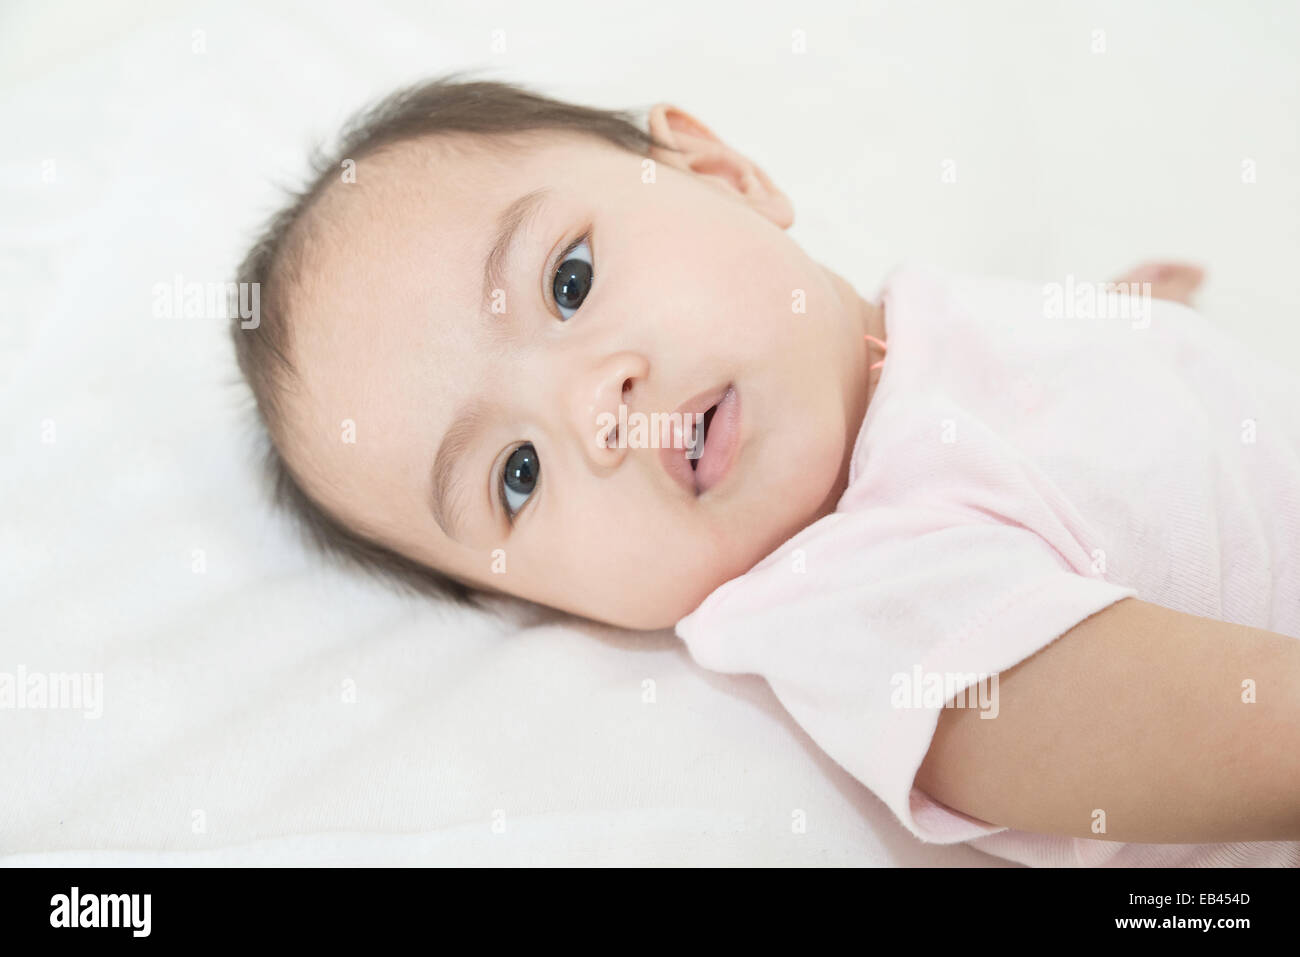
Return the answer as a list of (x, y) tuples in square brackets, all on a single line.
[(1174, 281)]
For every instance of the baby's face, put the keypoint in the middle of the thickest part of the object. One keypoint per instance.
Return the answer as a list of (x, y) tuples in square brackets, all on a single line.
[(466, 425)]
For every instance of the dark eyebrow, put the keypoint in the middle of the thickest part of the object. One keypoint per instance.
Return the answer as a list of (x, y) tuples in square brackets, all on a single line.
[(447, 498), (511, 220)]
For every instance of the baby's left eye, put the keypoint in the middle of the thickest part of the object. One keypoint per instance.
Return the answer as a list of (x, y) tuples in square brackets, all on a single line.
[(573, 280)]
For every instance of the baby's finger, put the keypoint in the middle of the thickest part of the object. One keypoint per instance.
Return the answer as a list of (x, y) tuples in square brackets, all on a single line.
[(1169, 280)]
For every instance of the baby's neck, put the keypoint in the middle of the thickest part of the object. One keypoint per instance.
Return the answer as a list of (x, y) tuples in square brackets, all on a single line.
[(865, 319), (873, 322)]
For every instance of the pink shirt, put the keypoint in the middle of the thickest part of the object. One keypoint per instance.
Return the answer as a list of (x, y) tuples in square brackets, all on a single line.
[(1022, 465)]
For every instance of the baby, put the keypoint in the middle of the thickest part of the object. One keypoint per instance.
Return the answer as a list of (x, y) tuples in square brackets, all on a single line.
[(471, 314)]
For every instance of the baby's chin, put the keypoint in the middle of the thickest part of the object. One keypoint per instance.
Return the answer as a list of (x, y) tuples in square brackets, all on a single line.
[(789, 483), (683, 587)]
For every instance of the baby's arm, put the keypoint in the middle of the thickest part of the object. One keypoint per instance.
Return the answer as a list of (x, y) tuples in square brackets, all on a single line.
[(1139, 712)]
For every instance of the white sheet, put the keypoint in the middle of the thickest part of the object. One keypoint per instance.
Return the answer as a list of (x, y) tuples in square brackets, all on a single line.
[(131, 158)]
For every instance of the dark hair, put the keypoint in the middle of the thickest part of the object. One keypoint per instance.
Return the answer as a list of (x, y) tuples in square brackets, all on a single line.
[(278, 258)]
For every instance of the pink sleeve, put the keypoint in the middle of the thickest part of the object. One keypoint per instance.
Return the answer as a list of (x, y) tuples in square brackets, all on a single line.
[(863, 628)]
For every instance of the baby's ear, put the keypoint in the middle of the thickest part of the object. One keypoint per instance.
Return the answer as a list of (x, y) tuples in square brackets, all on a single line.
[(698, 150)]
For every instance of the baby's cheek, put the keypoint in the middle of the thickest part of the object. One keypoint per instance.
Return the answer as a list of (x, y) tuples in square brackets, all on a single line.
[(668, 561)]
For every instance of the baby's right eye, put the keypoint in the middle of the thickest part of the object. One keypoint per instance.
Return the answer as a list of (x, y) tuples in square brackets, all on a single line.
[(519, 478)]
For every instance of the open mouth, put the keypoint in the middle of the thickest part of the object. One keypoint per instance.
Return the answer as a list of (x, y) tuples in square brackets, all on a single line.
[(702, 437), (702, 455)]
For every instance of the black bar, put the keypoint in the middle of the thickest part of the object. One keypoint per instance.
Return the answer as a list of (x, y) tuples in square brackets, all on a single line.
[(333, 907)]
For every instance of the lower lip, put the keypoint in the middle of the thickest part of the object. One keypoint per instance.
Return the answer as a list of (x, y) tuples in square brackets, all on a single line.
[(719, 442)]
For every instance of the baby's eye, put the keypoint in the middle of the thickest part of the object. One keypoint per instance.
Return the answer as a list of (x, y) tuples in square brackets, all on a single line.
[(573, 279), (519, 478)]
